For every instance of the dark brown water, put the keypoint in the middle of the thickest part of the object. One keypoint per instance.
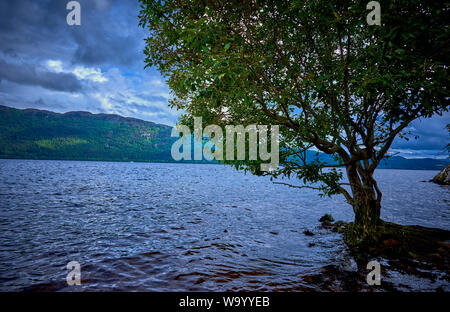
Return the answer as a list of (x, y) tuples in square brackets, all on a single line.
[(170, 227)]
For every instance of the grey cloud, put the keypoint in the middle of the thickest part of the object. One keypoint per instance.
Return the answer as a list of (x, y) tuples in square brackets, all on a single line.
[(146, 108), (33, 75), (108, 35), (27, 101), (121, 102), (431, 133), (33, 29), (40, 103), (91, 51)]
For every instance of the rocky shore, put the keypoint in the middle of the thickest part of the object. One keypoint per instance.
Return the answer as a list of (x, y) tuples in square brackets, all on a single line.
[(443, 177), (414, 251)]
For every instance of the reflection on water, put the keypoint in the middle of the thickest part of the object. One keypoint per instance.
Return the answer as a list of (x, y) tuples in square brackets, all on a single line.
[(141, 226)]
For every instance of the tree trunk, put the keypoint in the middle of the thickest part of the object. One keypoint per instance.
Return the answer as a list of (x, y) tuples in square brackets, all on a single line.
[(367, 215), (366, 203)]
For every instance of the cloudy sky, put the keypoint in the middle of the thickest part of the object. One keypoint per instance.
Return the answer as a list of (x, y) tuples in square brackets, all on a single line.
[(99, 67)]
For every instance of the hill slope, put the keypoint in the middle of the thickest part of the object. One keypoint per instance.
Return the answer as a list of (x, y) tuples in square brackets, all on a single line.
[(38, 134)]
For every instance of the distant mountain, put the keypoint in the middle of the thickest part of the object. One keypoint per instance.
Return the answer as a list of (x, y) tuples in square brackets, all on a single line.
[(393, 162), (39, 134), (398, 162)]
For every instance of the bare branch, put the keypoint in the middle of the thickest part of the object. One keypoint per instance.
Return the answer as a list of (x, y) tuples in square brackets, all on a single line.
[(297, 186)]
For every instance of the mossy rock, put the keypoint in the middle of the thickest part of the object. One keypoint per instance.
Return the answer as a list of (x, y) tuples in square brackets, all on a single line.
[(326, 219), (339, 226), (443, 177), (394, 241)]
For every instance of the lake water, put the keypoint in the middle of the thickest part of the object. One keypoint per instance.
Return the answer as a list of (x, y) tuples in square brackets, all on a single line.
[(171, 227)]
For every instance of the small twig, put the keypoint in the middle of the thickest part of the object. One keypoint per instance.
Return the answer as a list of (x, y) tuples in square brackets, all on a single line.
[(297, 186)]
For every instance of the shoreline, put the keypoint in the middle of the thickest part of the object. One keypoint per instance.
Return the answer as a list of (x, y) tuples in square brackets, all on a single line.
[(196, 162)]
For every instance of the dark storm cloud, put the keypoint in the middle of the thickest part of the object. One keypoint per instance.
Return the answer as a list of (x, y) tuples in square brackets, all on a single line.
[(108, 34), (431, 132), (29, 74), (33, 29), (107, 51), (109, 37)]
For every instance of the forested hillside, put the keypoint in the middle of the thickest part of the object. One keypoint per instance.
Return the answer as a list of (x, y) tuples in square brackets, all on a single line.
[(38, 134)]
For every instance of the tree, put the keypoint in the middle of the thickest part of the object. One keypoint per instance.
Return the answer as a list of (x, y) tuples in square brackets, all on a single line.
[(317, 69)]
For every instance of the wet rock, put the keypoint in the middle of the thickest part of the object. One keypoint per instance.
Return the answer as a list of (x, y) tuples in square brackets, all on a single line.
[(435, 256), (326, 219), (391, 242), (308, 233), (339, 226), (444, 244), (443, 177), (327, 223), (334, 278), (412, 249)]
